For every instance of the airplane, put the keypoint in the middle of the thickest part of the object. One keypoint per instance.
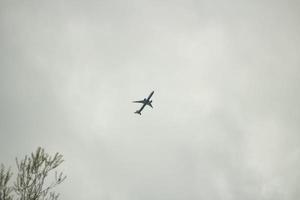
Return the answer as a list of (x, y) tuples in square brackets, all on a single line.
[(144, 102)]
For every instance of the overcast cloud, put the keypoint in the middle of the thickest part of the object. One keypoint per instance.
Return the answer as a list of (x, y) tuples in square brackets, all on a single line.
[(226, 75)]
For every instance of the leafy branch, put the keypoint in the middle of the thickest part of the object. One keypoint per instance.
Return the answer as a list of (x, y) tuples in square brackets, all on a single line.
[(31, 181)]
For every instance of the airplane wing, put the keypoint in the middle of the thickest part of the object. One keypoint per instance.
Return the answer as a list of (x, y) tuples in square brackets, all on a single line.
[(141, 101)]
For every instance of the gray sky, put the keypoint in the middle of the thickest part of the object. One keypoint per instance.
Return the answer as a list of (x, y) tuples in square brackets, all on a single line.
[(226, 75)]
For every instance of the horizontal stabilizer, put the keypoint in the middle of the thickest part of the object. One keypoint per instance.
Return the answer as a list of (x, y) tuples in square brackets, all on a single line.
[(138, 112)]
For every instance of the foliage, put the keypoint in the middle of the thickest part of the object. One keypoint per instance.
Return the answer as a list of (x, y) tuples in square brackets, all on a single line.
[(31, 180), (5, 190)]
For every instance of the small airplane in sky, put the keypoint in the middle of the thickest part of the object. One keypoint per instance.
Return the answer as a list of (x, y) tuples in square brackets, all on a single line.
[(144, 102)]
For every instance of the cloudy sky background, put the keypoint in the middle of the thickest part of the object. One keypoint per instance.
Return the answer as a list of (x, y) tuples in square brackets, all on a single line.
[(226, 75)]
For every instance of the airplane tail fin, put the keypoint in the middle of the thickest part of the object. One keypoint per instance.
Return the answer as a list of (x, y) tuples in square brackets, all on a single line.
[(138, 112)]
